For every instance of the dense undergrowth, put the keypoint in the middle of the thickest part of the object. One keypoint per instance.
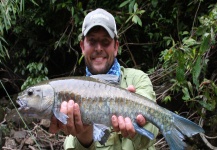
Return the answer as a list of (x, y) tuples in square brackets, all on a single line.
[(173, 41)]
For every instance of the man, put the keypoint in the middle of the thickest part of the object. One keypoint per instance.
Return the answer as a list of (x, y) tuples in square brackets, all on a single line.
[(99, 46)]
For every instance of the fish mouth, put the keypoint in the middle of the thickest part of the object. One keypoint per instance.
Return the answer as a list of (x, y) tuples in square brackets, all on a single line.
[(22, 104)]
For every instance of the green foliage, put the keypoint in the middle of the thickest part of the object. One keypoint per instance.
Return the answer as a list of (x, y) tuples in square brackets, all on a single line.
[(38, 72), (8, 10), (174, 39), (190, 57), (134, 11)]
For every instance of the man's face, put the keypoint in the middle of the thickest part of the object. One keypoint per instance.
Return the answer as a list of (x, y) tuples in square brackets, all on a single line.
[(99, 50)]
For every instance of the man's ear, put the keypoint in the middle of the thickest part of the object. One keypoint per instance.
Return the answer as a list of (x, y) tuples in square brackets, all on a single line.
[(116, 46), (82, 46)]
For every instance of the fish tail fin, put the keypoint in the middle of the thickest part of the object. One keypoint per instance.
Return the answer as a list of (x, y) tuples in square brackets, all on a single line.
[(182, 127)]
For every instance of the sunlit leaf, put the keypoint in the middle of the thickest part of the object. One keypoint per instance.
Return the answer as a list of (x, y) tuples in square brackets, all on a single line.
[(124, 3), (186, 95), (206, 105)]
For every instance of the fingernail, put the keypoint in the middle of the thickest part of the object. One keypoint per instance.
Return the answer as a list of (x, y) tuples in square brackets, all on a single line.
[(75, 106), (71, 103), (127, 120), (64, 104), (113, 118)]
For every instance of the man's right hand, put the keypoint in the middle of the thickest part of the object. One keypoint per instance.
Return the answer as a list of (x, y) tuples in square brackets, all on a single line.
[(74, 126)]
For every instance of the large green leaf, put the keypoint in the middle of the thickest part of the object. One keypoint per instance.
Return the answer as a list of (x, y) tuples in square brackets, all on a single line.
[(196, 71)]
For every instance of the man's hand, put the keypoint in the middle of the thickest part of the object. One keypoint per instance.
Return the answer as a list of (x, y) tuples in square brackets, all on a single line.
[(124, 125), (74, 126)]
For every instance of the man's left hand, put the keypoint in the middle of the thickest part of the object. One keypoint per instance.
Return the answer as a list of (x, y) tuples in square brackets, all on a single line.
[(124, 125)]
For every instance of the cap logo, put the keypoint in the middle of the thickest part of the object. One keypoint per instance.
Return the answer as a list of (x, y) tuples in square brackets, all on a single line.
[(96, 16)]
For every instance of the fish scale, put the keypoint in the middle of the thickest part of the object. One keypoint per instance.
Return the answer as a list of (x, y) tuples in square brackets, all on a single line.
[(98, 101)]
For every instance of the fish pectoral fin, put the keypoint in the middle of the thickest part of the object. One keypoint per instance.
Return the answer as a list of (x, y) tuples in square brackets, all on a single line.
[(143, 131), (61, 116), (100, 133)]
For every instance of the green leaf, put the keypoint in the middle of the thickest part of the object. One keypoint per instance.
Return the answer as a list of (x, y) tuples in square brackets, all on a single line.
[(190, 87), (72, 11), (135, 7), (196, 71), (34, 2), (137, 20), (180, 74), (167, 99), (134, 19), (189, 42), (208, 106), (180, 69), (154, 3), (131, 6), (205, 44), (186, 96), (141, 12), (201, 30), (80, 59), (39, 66), (120, 50), (124, 3)]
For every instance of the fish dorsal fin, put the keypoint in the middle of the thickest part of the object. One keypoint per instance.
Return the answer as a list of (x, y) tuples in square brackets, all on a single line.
[(100, 133), (107, 78)]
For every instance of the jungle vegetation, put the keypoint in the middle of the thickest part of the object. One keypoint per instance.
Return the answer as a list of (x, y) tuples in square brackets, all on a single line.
[(173, 41)]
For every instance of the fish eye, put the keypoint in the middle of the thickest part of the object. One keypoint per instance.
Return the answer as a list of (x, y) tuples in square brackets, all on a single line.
[(30, 92)]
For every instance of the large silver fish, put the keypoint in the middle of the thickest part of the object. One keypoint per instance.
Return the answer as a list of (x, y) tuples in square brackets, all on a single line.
[(98, 101)]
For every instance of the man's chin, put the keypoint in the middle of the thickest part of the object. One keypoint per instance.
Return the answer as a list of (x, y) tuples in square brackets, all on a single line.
[(98, 70)]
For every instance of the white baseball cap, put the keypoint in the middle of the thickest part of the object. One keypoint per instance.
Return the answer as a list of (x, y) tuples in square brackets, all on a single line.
[(100, 17)]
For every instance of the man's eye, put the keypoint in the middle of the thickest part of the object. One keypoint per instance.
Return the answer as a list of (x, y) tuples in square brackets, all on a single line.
[(30, 92), (92, 41), (105, 43)]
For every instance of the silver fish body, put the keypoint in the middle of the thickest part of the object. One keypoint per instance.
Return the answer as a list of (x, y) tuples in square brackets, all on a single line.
[(98, 101)]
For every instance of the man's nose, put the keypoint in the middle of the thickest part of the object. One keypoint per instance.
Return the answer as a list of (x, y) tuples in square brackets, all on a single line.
[(98, 47)]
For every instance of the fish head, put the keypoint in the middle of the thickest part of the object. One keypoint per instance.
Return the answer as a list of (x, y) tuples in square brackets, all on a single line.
[(36, 101)]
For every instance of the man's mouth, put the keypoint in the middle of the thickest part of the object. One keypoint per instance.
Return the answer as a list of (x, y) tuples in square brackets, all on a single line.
[(99, 60)]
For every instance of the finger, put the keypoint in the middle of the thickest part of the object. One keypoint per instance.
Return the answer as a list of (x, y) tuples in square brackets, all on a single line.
[(121, 123), (54, 127), (70, 121), (131, 88), (115, 123), (129, 127), (140, 120), (77, 119), (70, 112), (63, 109)]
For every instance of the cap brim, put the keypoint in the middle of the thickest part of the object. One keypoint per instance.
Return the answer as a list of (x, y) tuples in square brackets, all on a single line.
[(110, 32)]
